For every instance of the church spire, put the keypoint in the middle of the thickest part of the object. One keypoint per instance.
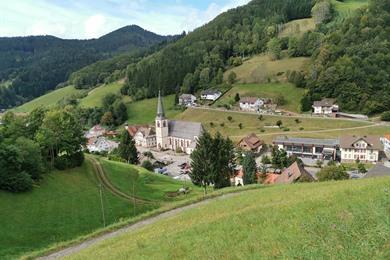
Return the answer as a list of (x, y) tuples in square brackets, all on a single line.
[(160, 107)]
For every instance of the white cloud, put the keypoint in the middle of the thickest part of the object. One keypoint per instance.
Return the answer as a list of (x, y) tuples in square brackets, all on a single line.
[(94, 26)]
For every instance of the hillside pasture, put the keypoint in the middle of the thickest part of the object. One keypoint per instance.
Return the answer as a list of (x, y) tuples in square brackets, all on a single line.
[(332, 220), (67, 204), (262, 69), (266, 128), (346, 7), (144, 111), (297, 27), (50, 99), (292, 94), (96, 95)]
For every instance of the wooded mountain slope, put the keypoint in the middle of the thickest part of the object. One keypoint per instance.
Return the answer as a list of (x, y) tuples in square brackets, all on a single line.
[(37, 64)]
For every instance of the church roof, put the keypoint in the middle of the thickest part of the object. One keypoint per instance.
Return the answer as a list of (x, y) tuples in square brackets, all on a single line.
[(160, 107), (184, 129)]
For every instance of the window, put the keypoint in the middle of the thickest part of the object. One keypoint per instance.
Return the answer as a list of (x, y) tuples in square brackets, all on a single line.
[(164, 123), (158, 123)]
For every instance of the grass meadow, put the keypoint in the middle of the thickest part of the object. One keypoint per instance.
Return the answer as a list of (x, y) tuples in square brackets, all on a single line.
[(96, 95), (144, 111), (331, 220), (346, 7), (297, 27), (252, 124), (292, 94), (67, 204), (50, 99), (261, 69)]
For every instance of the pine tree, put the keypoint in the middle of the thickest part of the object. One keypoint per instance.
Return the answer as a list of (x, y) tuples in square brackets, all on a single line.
[(127, 149), (249, 167)]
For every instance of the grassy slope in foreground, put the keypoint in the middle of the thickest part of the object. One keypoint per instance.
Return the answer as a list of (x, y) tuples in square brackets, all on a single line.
[(49, 99), (67, 205), (337, 220), (292, 94), (251, 124), (144, 111), (260, 68)]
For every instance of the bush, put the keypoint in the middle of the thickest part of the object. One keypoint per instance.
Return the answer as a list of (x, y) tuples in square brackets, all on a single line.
[(332, 173), (386, 116), (286, 129), (17, 182), (69, 161), (148, 154), (147, 165)]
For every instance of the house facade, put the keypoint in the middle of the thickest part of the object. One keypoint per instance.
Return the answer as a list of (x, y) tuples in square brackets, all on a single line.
[(251, 143), (175, 135), (210, 94), (187, 100), (101, 144), (308, 147), (365, 148), (251, 104), (95, 131), (386, 143), (145, 137), (326, 106)]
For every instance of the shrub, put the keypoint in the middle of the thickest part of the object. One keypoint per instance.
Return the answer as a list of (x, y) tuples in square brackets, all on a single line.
[(240, 125), (148, 154), (362, 168), (211, 124), (262, 130), (230, 119), (332, 173), (222, 124), (17, 182), (286, 129), (386, 116), (147, 165), (301, 129)]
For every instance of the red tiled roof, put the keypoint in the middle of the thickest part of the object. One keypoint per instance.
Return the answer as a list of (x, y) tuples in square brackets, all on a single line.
[(293, 173), (252, 141), (133, 129)]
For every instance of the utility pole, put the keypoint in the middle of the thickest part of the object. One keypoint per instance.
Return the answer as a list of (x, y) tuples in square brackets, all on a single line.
[(101, 203)]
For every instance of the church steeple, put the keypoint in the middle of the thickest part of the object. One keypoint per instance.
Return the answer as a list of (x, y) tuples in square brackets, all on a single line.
[(160, 107)]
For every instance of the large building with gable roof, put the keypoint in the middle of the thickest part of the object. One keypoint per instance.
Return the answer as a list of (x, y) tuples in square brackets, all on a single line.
[(175, 135)]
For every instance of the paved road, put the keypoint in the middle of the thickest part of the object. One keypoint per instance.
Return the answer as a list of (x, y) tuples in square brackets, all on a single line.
[(132, 227)]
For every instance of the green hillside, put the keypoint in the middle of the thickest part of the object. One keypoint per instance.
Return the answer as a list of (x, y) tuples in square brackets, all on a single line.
[(67, 205), (346, 7), (307, 127), (292, 94), (334, 220), (297, 27), (262, 68), (95, 96), (144, 111), (50, 99)]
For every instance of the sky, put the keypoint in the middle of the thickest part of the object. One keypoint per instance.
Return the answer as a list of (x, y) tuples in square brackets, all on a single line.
[(86, 19)]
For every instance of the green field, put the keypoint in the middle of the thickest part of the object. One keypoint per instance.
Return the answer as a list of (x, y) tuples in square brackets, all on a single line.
[(251, 124), (49, 99), (333, 220), (144, 111), (67, 205), (292, 94), (297, 27), (261, 69), (346, 7), (95, 96)]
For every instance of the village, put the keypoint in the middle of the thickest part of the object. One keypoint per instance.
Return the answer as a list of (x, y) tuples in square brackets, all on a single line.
[(168, 144)]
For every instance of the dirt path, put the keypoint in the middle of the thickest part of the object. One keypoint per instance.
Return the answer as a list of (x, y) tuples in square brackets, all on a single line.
[(132, 227), (101, 176)]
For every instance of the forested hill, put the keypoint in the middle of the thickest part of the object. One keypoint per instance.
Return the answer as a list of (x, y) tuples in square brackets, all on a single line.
[(199, 59), (30, 66)]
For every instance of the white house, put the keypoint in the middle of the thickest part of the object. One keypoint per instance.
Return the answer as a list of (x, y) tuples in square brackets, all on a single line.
[(145, 137), (251, 104), (175, 135), (365, 148), (187, 100), (326, 106), (210, 94), (95, 131), (386, 142), (101, 144)]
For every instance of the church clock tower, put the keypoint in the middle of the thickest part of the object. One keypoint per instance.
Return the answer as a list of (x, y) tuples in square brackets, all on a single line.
[(162, 130)]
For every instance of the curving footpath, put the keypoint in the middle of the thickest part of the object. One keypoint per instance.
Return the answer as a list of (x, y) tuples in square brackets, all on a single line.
[(101, 176), (132, 227)]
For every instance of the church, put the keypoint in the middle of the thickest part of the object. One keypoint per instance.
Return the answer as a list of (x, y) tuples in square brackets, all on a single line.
[(175, 135)]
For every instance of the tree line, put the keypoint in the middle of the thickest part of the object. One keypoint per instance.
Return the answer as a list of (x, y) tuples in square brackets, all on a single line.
[(34, 144)]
